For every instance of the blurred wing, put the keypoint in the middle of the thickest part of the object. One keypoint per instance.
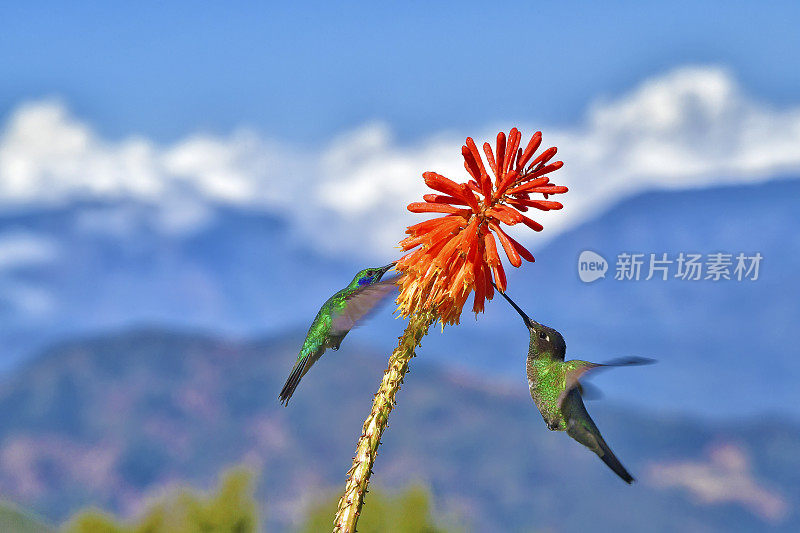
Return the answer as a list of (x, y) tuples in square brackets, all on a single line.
[(589, 391), (573, 377), (629, 361), (359, 305)]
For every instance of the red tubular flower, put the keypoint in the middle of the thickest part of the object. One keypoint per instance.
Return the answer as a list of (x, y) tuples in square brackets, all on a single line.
[(457, 253)]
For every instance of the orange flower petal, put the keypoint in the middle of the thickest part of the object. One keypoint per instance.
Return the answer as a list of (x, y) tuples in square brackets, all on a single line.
[(488, 283), (491, 249), (411, 241), (499, 277), (550, 189), (460, 282), (544, 157), (533, 145), (483, 183), (505, 214), (501, 155), (442, 184), (470, 234), (445, 255), (470, 164), (444, 231), (524, 252), (517, 205), (442, 199), (480, 280), (521, 250), (480, 293), (460, 299), (473, 186), (505, 240), (427, 225), (535, 226), (470, 197), (545, 170), (487, 149), (505, 183), (526, 187), (543, 205), (511, 149), (424, 207)]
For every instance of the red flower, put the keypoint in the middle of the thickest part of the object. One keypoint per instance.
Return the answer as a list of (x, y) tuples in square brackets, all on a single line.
[(457, 253)]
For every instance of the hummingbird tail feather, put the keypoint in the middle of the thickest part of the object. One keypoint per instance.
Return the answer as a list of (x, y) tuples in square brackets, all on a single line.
[(613, 463), (587, 434), (293, 381)]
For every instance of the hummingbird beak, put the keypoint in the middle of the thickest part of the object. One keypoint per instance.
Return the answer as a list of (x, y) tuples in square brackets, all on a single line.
[(385, 269), (528, 322)]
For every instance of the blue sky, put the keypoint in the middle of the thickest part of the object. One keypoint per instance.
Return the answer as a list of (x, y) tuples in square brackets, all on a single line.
[(342, 107), (305, 71)]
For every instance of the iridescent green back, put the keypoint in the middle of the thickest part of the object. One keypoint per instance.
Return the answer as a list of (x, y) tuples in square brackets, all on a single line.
[(321, 326)]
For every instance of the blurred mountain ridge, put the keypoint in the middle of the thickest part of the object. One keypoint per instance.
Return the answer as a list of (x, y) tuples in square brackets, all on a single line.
[(85, 268), (113, 419)]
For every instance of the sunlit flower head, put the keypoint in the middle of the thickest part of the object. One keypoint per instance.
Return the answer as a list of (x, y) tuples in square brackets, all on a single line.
[(457, 253)]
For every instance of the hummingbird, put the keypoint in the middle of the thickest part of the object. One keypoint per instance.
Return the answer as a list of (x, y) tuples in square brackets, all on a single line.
[(337, 316), (557, 392)]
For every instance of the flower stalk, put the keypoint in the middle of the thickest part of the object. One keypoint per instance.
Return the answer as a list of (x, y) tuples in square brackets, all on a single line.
[(367, 449)]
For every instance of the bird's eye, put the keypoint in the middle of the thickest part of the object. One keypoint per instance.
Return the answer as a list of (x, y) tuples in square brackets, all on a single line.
[(542, 335)]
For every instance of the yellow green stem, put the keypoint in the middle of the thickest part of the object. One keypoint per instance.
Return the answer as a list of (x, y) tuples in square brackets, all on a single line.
[(367, 448)]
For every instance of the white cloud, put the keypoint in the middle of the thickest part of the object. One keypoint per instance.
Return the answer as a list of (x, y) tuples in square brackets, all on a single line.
[(21, 248), (689, 128), (46, 155)]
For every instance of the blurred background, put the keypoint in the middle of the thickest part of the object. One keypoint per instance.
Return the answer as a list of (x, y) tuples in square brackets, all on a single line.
[(181, 187)]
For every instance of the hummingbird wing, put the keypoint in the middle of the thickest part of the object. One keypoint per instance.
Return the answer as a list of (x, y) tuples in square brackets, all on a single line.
[(359, 306), (589, 391), (573, 376)]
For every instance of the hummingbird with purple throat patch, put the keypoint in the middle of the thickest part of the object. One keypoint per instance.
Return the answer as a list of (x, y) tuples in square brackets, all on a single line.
[(557, 392), (337, 316)]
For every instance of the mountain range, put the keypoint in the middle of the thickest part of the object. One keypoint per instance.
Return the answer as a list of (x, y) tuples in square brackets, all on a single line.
[(725, 348), (110, 421)]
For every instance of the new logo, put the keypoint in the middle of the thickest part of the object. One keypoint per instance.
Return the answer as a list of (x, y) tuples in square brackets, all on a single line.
[(591, 266)]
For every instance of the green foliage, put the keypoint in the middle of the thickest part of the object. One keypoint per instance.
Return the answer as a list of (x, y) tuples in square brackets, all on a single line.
[(13, 519), (232, 509), (407, 512)]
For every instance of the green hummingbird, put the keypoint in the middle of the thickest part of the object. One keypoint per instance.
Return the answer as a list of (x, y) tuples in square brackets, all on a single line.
[(556, 389), (337, 316)]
